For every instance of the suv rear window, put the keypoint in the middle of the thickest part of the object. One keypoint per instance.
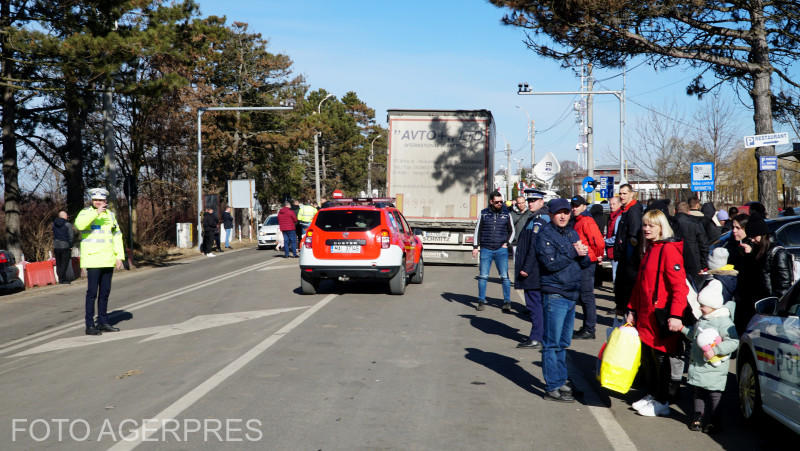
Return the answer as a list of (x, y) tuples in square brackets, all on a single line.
[(347, 220)]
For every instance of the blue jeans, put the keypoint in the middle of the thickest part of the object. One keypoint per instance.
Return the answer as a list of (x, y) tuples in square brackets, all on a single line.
[(500, 259), (559, 316), (289, 242), (228, 237)]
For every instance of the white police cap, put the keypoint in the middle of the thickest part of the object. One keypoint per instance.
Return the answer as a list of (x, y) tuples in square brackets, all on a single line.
[(98, 193), (533, 194)]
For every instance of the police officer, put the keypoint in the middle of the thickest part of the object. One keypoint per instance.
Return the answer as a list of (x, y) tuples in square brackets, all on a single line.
[(101, 251), (304, 216), (526, 267)]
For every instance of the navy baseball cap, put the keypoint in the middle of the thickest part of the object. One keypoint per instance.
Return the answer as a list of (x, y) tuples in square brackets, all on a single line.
[(578, 200), (558, 204)]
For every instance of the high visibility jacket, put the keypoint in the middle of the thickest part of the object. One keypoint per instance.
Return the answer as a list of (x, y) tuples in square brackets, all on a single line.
[(101, 239), (306, 213)]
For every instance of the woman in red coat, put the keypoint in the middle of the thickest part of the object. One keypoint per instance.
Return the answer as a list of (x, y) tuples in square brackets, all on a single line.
[(661, 281)]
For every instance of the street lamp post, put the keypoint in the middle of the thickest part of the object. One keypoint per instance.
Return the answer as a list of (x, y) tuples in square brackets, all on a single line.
[(316, 149), (524, 89), (200, 112), (369, 165)]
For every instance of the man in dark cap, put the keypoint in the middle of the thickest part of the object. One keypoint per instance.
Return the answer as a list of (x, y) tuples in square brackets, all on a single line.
[(561, 256)]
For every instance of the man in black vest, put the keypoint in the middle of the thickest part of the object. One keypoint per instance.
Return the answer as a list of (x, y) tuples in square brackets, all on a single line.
[(493, 233)]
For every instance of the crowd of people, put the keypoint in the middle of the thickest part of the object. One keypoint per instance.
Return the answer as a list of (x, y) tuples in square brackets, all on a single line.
[(688, 305)]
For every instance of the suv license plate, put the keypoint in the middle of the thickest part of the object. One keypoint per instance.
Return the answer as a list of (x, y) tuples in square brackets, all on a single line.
[(345, 249)]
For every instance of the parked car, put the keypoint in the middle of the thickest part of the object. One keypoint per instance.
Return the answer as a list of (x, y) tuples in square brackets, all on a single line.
[(268, 233), (768, 366), (785, 229), (367, 239), (9, 274)]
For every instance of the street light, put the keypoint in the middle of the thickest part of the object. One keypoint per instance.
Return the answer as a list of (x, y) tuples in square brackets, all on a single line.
[(316, 149), (369, 165), (524, 89)]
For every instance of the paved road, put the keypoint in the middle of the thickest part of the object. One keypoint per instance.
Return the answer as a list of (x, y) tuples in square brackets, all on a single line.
[(225, 353)]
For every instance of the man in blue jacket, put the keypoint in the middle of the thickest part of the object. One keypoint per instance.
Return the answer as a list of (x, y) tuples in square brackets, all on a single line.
[(526, 268), (493, 233), (561, 257)]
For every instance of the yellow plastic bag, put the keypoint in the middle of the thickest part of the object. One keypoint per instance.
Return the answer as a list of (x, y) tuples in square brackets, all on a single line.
[(621, 359)]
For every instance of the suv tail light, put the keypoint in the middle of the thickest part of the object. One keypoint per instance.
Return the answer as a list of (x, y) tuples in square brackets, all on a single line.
[(307, 240), (3, 257), (385, 239)]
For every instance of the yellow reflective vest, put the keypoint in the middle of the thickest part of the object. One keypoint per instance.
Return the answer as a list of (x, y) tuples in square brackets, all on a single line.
[(306, 213), (101, 239)]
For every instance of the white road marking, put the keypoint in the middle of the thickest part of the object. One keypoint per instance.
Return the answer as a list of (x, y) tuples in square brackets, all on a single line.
[(191, 325), (46, 334), (279, 267), (608, 423), (187, 400)]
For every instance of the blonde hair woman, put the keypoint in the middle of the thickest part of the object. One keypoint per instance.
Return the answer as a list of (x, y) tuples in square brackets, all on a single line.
[(661, 284)]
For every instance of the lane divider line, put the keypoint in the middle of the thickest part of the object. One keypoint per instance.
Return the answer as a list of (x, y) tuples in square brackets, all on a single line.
[(55, 331), (171, 412)]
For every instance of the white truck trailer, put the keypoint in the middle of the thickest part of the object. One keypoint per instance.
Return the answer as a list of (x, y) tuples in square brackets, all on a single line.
[(440, 170)]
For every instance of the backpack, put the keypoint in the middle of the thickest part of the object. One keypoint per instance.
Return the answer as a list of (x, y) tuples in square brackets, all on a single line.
[(795, 263)]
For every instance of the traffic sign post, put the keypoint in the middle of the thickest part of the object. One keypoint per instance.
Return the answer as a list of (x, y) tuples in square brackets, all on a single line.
[(588, 184), (702, 176), (770, 139)]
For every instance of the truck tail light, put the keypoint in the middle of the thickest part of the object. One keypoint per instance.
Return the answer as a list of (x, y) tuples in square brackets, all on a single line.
[(307, 240), (385, 239)]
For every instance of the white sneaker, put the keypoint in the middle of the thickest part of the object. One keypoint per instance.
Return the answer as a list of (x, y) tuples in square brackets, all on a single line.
[(210, 254), (654, 409), (642, 402)]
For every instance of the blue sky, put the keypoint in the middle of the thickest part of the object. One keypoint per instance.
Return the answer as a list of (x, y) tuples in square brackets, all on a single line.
[(455, 54)]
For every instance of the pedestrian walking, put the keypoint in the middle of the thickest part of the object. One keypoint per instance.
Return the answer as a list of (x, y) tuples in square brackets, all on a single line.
[(101, 251), (493, 234), (561, 257), (209, 227), (304, 217), (713, 338), (287, 222), (526, 268), (62, 245), (227, 221), (656, 307), (626, 246)]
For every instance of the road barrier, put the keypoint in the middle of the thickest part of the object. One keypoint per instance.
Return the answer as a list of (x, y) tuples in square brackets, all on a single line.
[(39, 274)]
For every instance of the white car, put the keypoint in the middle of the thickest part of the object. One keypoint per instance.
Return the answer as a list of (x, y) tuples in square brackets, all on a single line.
[(768, 366), (268, 233)]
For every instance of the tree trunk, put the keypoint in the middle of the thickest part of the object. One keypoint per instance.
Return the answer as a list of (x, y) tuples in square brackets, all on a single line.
[(762, 114), (10, 168), (73, 172)]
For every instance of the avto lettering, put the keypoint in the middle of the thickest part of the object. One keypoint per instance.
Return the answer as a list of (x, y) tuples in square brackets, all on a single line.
[(430, 135)]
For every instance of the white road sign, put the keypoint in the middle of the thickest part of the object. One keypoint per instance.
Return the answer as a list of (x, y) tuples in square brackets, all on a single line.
[(770, 139)]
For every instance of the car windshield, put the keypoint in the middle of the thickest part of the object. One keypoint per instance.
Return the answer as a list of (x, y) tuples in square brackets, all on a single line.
[(346, 220), (272, 220)]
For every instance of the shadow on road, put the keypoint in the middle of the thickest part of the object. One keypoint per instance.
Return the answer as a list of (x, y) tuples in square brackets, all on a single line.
[(493, 327), (507, 367), (117, 316)]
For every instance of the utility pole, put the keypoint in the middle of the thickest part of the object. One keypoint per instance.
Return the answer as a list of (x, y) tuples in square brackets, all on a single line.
[(508, 171), (590, 124)]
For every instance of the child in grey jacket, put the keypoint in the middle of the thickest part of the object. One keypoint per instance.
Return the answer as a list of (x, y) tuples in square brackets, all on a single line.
[(709, 358)]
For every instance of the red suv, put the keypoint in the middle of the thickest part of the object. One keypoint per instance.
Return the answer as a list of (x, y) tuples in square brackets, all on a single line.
[(360, 239)]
